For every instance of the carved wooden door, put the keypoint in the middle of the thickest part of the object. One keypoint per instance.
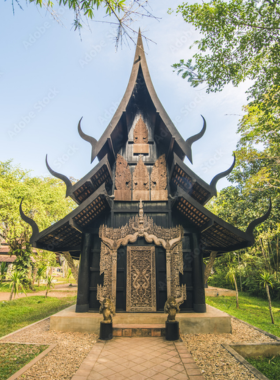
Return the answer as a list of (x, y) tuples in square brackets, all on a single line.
[(141, 279)]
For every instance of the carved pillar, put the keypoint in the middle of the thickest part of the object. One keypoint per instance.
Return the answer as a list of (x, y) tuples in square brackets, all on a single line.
[(168, 272), (198, 278), (114, 275), (82, 305)]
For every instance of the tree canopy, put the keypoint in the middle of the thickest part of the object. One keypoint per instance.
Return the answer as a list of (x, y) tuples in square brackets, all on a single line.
[(44, 201), (241, 40), (123, 12)]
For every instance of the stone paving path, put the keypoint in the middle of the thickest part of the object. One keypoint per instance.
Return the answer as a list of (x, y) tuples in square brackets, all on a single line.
[(138, 359)]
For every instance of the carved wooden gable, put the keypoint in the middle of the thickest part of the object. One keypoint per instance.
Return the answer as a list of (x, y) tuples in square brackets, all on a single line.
[(140, 138), (159, 180), (141, 182), (122, 180)]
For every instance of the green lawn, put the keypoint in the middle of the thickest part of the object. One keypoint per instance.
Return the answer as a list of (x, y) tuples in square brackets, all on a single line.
[(270, 367), (24, 311), (253, 310), (15, 356)]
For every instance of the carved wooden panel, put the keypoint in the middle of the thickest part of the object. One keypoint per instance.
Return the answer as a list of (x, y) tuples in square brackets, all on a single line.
[(140, 138), (105, 291), (159, 180), (141, 182), (122, 180), (141, 279)]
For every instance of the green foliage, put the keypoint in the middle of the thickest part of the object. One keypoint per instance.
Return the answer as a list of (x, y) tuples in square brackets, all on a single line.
[(14, 356), (41, 272), (253, 310), (269, 366), (24, 311), (241, 40), (49, 285), (3, 271), (16, 284), (44, 201)]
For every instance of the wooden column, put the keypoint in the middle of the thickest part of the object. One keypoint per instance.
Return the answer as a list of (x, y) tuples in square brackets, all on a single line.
[(168, 273), (82, 305), (199, 305)]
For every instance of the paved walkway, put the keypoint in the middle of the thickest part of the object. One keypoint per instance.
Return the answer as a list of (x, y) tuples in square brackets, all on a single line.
[(60, 291), (138, 359)]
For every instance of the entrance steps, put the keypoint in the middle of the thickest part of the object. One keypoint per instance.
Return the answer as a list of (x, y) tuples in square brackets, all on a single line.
[(139, 330)]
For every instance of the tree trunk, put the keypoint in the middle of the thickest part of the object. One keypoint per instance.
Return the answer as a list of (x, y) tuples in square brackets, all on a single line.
[(46, 295), (209, 266), (11, 295), (71, 264), (269, 303), (236, 289)]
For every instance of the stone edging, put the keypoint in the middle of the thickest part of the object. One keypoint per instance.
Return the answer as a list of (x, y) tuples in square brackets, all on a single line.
[(23, 328), (256, 328), (35, 360), (244, 362)]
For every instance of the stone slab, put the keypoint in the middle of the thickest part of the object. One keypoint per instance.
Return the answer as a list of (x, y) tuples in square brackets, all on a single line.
[(141, 149), (213, 321)]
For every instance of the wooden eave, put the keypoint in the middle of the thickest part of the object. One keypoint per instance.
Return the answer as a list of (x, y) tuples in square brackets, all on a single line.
[(216, 234), (67, 232), (102, 147), (99, 175), (181, 175)]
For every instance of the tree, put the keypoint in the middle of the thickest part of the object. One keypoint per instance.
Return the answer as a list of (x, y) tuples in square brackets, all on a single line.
[(41, 271), (231, 277), (44, 201), (209, 266), (267, 281), (69, 275), (16, 284), (241, 40), (122, 11), (72, 266), (49, 285)]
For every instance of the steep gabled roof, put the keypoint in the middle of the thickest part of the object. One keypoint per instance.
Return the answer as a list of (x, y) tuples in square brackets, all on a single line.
[(107, 141), (216, 234), (66, 234), (181, 175)]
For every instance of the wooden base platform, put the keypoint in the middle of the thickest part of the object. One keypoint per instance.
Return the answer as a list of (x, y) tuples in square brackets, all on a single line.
[(213, 321)]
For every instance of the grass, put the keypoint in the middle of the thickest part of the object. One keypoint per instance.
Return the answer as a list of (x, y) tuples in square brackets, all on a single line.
[(24, 311), (15, 356), (253, 310), (270, 367)]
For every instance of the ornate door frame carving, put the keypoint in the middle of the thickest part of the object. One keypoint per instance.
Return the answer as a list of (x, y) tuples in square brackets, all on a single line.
[(142, 226)]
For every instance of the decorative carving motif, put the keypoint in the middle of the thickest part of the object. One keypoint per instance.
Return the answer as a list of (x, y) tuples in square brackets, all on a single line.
[(142, 226), (159, 180), (122, 180), (171, 308), (105, 291), (107, 308), (140, 135), (159, 175), (141, 279), (141, 181), (141, 176)]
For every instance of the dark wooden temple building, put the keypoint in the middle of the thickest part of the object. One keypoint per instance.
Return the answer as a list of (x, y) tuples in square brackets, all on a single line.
[(141, 229)]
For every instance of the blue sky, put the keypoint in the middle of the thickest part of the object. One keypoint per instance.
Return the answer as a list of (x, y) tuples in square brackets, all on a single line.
[(50, 78)]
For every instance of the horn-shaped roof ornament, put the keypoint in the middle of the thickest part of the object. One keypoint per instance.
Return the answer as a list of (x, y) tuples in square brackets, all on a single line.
[(31, 222), (193, 139), (89, 139), (214, 181), (256, 222), (60, 176)]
